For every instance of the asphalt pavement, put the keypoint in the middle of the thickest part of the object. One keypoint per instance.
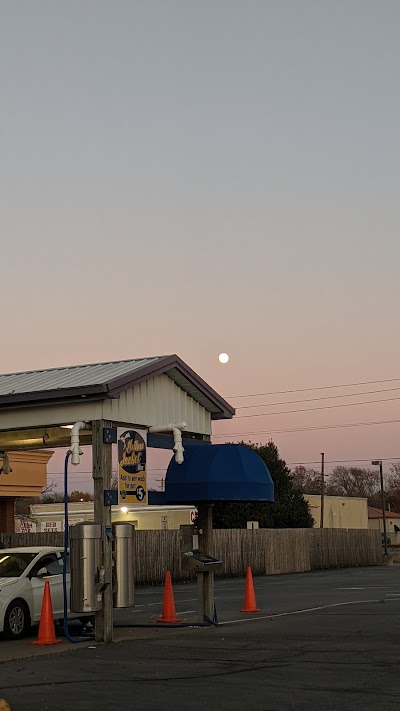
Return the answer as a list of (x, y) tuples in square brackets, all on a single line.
[(323, 641)]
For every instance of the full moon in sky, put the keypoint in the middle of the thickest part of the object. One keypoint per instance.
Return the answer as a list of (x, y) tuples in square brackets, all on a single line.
[(223, 357)]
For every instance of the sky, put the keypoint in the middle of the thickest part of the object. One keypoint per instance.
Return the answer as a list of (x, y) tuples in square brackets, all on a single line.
[(196, 177)]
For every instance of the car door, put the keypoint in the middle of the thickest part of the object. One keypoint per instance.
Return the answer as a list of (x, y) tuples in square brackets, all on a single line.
[(55, 578), (53, 563)]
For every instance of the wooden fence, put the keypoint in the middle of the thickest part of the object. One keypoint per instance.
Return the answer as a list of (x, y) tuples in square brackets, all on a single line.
[(267, 551)]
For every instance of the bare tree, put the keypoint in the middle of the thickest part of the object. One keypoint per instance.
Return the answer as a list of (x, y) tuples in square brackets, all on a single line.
[(80, 496), (355, 481), (392, 487), (308, 481), (23, 504)]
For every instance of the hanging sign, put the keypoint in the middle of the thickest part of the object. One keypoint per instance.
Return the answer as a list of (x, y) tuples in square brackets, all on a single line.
[(132, 476)]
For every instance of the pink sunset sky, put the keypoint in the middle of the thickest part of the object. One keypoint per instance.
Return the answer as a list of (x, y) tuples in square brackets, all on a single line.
[(194, 178)]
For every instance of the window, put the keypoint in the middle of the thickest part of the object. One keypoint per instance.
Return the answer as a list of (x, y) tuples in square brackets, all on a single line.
[(56, 566), (43, 562), (12, 565)]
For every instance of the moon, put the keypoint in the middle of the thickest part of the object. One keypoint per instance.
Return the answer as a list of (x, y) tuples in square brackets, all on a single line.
[(223, 358)]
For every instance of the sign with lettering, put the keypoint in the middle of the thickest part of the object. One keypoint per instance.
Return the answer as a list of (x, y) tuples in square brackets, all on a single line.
[(52, 526), (132, 475), (27, 527)]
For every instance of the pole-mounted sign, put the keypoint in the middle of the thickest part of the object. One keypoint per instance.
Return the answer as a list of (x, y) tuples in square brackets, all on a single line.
[(132, 473)]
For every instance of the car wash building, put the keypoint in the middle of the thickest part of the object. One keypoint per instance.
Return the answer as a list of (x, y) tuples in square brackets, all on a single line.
[(136, 404)]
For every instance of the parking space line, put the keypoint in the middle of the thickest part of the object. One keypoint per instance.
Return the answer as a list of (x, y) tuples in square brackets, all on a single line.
[(296, 612)]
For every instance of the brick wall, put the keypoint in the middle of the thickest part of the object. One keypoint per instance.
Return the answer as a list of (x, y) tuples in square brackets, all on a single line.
[(7, 524)]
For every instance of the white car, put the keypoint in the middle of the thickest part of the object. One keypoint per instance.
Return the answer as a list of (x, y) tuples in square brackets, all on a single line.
[(23, 572)]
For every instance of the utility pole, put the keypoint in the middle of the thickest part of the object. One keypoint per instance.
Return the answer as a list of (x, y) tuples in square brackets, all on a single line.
[(102, 472), (322, 488), (378, 462), (205, 580)]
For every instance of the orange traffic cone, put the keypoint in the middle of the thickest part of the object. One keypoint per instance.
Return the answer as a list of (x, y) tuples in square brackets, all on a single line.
[(250, 604), (168, 610), (47, 633)]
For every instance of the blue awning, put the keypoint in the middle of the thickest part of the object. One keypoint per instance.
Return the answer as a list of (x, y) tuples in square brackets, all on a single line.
[(220, 472)]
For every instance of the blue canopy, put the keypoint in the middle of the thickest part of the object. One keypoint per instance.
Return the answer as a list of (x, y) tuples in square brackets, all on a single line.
[(219, 472)]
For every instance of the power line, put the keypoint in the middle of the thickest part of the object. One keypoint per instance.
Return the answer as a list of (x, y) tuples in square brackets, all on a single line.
[(322, 407), (342, 461), (314, 399), (307, 429), (321, 387)]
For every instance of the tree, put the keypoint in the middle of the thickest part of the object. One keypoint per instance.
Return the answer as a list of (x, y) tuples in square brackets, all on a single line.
[(308, 481), (22, 508), (80, 496), (48, 496), (392, 488), (290, 510), (393, 480), (56, 498), (355, 481), (23, 503)]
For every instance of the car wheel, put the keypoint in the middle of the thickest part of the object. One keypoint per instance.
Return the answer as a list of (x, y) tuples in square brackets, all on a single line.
[(16, 620)]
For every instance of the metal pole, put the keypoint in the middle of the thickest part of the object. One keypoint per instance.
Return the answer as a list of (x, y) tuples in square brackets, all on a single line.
[(322, 488), (383, 507)]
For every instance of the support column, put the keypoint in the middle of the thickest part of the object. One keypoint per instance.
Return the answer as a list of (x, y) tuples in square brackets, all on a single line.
[(205, 581), (102, 475)]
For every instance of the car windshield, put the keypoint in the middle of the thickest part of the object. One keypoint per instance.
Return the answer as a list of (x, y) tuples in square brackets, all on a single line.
[(12, 565)]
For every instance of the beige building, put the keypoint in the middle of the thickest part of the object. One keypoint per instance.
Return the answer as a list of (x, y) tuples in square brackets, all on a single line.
[(339, 511), (27, 478), (50, 517)]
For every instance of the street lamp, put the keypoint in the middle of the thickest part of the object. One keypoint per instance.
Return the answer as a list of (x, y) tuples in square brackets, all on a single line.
[(376, 463)]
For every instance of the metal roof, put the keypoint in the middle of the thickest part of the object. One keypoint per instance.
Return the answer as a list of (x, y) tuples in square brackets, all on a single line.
[(75, 376), (377, 513), (100, 381)]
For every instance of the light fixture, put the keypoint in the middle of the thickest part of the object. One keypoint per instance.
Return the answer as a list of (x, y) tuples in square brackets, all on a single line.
[(66, 427), (124, 509)]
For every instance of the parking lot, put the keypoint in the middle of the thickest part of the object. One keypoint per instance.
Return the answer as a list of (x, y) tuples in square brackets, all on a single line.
[(324, 640)]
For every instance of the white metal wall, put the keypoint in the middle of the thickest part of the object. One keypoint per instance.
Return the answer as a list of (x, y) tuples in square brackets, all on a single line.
[(156, 401)]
